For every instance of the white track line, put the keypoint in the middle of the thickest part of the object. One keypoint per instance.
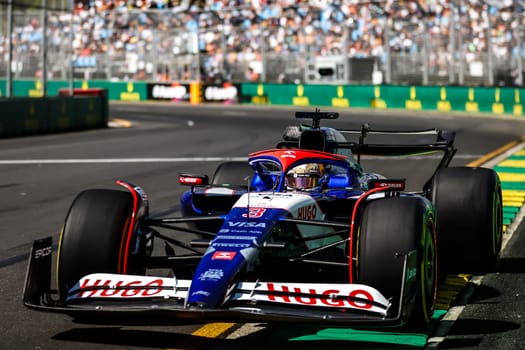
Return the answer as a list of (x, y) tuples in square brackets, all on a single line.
[(446, 323), (179, 160), (121, 160)]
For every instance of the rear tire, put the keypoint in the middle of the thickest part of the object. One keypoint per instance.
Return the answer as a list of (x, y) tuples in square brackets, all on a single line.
[(390, 229), (469, 212), (93, 236), (233, 174)]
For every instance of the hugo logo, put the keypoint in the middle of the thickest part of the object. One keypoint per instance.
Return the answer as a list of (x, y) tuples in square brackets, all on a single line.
[(122, 289), (307, 212), (357, 298)]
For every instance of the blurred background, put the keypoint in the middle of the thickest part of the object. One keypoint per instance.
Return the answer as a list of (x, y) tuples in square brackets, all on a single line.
[(423, 42)]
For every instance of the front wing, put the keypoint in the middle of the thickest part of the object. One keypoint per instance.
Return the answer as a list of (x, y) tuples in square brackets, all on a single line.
[(129, 299)]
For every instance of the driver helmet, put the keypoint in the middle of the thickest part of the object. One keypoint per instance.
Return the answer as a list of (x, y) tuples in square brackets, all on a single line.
[(304, 176)]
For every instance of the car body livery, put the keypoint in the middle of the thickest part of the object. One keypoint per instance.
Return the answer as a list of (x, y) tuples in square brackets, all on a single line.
[(298, 233)]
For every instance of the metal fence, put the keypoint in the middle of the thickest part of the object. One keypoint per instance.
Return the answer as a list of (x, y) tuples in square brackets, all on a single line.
[(476, 45)]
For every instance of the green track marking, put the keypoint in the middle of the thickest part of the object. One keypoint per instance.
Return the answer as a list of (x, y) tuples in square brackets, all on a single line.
[(511, 210), (412, 340), (513, 185), (511, 172), (507, 169)]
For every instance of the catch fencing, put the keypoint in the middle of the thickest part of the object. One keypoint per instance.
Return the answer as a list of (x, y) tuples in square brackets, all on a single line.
[(175, 46)]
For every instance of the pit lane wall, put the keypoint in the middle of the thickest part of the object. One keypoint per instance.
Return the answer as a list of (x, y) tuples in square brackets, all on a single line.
[(28, 112)]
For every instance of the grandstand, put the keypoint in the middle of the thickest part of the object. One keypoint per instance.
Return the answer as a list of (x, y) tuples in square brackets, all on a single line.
[(427, 42)]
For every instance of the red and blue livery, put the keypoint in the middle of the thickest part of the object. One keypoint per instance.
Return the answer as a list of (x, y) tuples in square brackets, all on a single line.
[(298, 233)]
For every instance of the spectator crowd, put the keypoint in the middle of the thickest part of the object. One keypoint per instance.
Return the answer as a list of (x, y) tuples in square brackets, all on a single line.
[(147, 36)]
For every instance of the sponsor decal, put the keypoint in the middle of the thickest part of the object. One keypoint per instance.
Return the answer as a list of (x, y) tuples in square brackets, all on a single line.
[(257, 201), (307, 212), (392, 184), (201, 292), (166, 92), (220, 93), (249, 224), (190, 180), (357, 298), (283, 195), (267, 200), (242, 238), (254, 213), (211, 275), (223, 256), (231, 245), (43, 252), (288, 154), (243, 231), (141, 193), (122, 289), (103, 285), (263, 204)]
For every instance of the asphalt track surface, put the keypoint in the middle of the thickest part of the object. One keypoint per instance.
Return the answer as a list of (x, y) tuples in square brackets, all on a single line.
[(41, 175)]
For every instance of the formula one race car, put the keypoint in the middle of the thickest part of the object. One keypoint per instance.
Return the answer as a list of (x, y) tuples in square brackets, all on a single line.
[(298, 233)]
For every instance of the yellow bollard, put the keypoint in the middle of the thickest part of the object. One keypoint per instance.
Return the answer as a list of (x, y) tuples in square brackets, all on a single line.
[(195, 92)]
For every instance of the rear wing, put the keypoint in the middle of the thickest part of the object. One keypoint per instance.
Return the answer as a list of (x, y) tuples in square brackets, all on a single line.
[(399, 143), (368, 141)]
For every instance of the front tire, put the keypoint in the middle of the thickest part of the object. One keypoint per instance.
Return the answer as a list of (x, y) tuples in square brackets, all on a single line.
[(93, 236), (391, 229)]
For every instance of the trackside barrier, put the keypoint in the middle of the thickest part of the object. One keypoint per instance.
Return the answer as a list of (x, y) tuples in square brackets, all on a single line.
[(511, 172), (92, 119), (41, 115), (494, 100), (118, 90)]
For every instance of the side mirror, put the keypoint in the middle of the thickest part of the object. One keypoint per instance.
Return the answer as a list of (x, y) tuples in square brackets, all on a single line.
[(193, 180), (388, 184)]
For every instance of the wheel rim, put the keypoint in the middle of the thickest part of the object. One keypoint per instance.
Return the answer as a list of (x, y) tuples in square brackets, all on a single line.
[(428, 271), (497, 223), (57, 267)]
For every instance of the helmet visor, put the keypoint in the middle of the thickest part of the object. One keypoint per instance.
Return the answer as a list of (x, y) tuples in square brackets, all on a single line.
[(302, 181)]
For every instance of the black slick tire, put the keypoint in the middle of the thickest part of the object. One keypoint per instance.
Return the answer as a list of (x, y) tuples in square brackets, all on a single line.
[(469, 212), (392, 229), (93, 236)]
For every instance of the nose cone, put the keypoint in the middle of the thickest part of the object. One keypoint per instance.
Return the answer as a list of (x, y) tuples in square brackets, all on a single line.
[(214, 275)]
